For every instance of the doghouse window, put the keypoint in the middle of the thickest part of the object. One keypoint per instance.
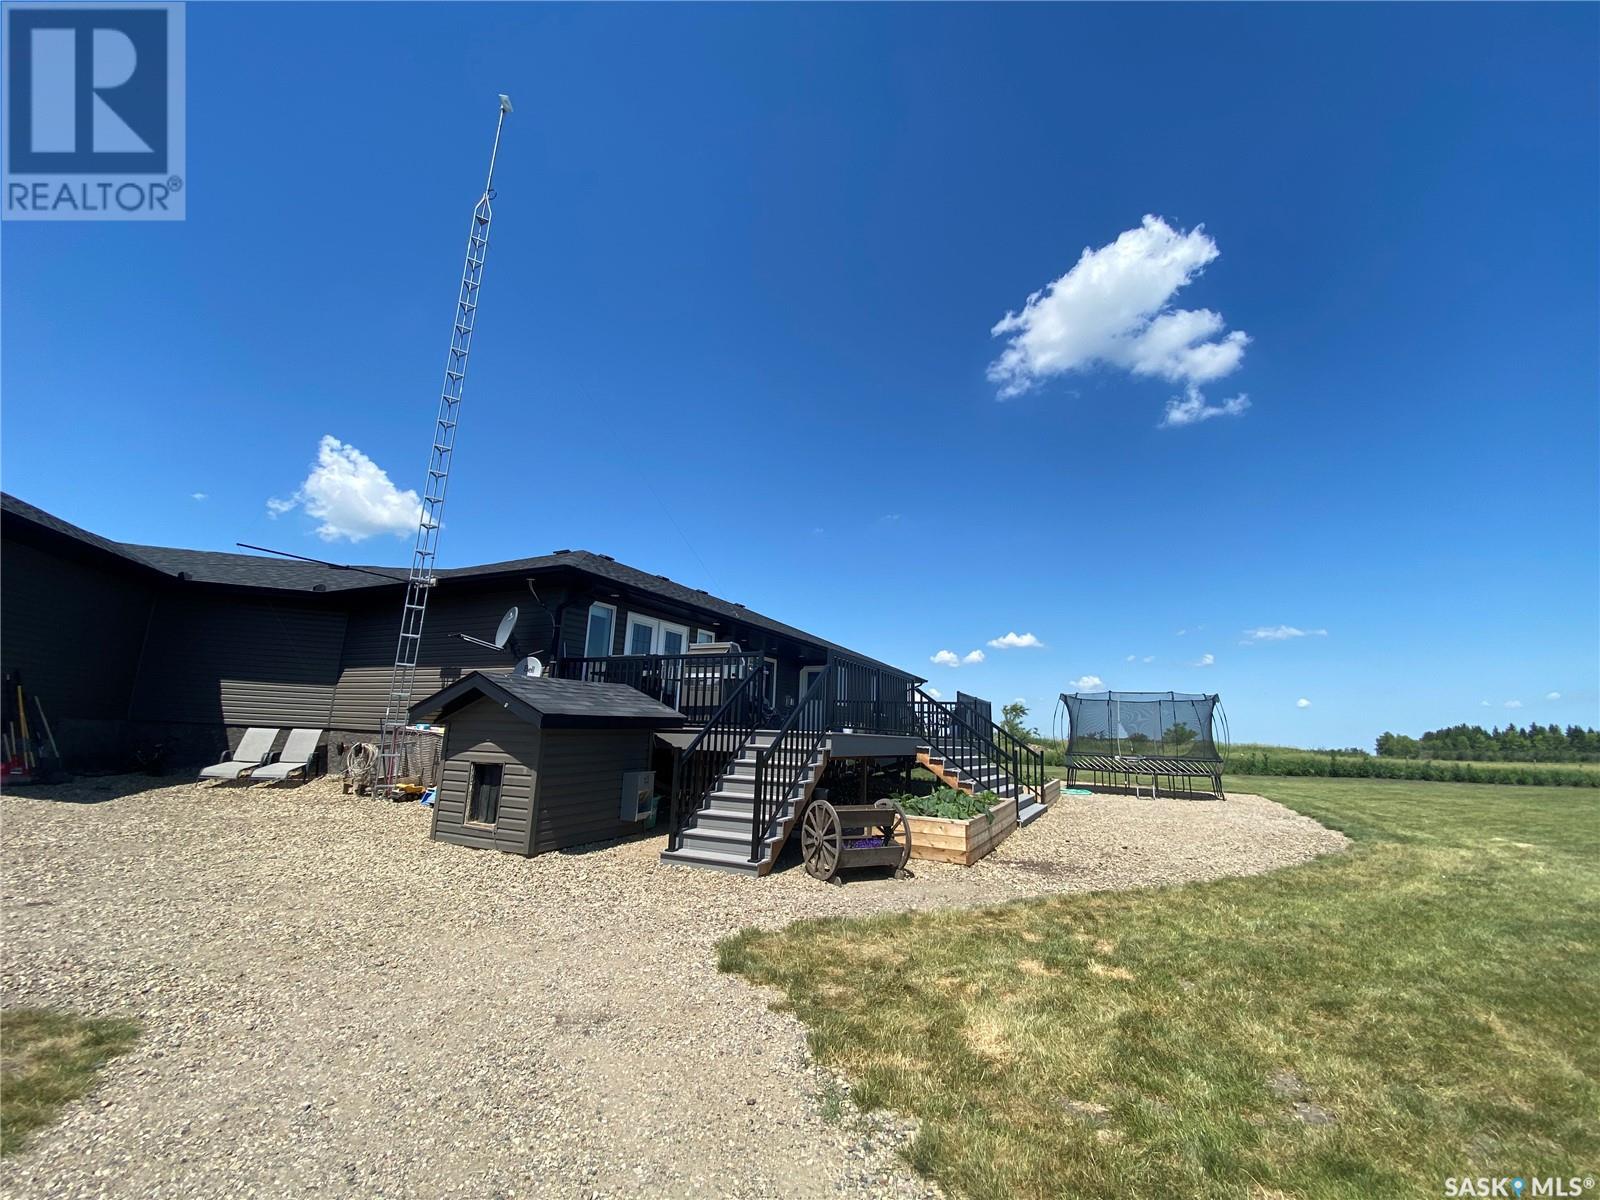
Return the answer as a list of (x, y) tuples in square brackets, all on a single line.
[(483, 799)]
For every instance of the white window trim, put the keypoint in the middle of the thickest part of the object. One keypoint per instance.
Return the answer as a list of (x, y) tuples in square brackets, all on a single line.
[(588, 628), (635, 621), (658, 627), (771, 696), (805, 683), (702, 636), (665, 627)]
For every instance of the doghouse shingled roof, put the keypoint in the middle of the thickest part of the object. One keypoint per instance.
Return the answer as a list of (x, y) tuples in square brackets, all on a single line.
[(548, 702)]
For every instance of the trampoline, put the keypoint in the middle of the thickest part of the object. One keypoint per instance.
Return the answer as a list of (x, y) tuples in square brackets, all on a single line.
[(1124, 738)]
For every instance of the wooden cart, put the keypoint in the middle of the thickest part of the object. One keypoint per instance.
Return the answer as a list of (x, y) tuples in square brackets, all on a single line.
[(836, 838)]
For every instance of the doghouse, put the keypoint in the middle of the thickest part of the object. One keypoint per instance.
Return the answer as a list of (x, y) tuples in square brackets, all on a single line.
[(534, 764)]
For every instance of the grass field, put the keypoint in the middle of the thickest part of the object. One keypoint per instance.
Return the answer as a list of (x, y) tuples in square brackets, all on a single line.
[(1249, 747), (48, 1059), (1422, 1006), (1248, 761)]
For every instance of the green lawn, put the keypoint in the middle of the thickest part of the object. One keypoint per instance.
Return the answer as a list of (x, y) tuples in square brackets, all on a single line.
[(48, 1059), (1425, 1005)]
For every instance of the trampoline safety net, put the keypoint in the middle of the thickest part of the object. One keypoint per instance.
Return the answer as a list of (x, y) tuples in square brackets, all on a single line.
[(1146, 724)]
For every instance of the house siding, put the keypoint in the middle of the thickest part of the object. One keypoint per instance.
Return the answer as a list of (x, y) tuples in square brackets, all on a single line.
[(373, 629), (74, 629), (217, 659), (483, 732), (580, 785)]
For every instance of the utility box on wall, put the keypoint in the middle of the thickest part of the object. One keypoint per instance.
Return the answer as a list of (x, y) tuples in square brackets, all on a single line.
[(638, 795)]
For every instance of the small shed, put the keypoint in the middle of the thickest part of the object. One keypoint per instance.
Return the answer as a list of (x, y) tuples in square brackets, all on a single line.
[(535, 764)]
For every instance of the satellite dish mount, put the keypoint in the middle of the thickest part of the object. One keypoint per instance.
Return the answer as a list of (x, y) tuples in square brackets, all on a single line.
[(502, 635)]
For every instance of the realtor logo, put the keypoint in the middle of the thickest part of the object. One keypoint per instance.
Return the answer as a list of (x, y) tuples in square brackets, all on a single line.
[(94, 125)]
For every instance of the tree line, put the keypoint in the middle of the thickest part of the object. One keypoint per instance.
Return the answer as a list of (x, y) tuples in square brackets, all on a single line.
[(1473, 743)]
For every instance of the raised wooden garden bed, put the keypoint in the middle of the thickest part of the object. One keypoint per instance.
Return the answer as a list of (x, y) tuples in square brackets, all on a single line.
[(939, 839)]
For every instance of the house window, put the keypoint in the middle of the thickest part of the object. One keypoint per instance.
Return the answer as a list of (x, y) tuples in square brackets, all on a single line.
[(602, 628), (649, 635), (702, 636), (483, 794), (770, 690)]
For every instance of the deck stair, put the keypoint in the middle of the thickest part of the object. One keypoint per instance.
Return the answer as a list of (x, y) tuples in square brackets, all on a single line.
[(718, 835), (972, 774)]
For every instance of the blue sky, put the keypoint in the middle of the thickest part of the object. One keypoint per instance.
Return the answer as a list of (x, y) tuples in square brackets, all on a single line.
[(738, 312)]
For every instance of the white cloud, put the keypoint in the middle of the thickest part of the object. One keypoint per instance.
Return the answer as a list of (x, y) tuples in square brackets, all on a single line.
[(1513, 703), (934, 692), (889, 518), (945, 658), (1191, 408), (1087, 683), (1205, 660), (1149, 658), (1131, 658), (197, 496), (351, 495), (972, 656), (1113, 308), (1302, 703), (1279, 633), (1483, 704), (1552, 695), (1180, 633), (1016, 641)]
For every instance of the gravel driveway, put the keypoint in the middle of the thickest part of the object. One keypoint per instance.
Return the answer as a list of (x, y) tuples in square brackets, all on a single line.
[(335, 1005)]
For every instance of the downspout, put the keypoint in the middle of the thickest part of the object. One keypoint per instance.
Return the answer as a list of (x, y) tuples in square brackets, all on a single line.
[(553, 650)]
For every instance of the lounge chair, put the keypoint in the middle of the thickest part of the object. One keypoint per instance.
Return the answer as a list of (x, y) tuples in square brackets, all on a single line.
[(255, 747), (294, 759)]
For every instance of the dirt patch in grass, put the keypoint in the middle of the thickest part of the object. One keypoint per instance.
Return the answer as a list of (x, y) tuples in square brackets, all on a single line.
[(47, 1060)]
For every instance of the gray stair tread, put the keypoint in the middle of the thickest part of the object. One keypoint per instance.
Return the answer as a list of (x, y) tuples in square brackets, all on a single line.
[(733, 864), (714, 839)]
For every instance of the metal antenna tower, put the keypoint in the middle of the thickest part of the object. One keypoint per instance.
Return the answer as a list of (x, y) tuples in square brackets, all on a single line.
[(421, 579)]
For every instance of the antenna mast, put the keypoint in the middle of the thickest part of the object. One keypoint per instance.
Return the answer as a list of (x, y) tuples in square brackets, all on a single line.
[(421, 579)]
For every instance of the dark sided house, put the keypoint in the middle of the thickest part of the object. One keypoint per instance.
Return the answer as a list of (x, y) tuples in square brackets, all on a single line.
[(135, 647)]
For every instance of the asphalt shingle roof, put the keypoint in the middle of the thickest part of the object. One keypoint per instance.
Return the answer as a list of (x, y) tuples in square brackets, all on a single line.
[(261, 570), (575, 701), (266, 571)]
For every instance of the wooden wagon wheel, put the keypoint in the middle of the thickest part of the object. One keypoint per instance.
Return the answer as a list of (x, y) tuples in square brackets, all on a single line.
[(821, 840), (899, 832)]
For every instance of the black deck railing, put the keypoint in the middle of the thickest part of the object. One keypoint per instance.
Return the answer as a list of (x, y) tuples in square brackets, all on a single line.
[(694, 684), (781, 765), (871, 699), (1027, 761), (955, 736), (705, 759)]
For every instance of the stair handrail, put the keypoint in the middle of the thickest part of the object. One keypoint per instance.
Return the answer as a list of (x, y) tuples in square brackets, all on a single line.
[(953, 736), (704, 760), (783, 762), (948, 732), (1027, 761)]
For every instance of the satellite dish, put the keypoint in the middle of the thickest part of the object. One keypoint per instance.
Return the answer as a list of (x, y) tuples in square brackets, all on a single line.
[(531, 667), (507, 624), (502, 635)]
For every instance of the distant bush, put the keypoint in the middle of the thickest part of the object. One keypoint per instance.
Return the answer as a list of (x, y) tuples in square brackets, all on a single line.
[(1285, 761)]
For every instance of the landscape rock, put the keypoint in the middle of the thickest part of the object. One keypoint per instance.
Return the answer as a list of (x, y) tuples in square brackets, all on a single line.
[(334, 1004)]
